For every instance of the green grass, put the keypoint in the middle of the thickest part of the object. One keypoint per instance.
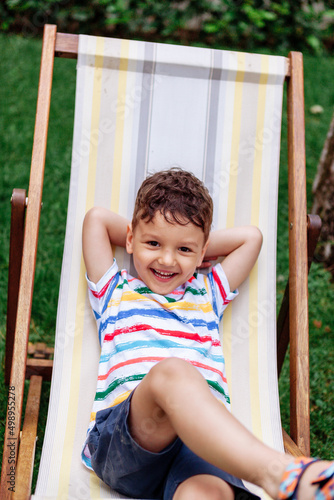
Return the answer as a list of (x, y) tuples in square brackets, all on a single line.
[(19, 72)]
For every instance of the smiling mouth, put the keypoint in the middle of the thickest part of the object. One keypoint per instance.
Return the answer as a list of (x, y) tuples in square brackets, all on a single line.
[(163, 275)]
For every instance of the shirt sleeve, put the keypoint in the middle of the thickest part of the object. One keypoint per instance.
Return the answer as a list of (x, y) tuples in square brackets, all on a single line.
[(100, 293), (220, 289)]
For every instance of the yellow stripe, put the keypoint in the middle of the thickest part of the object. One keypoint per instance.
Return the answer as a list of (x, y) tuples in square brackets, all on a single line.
[(206, 283), (82, 286), (256, 189), (254, 353), (119, 399), (231, 204), (73, 407), (187, 306), (227, 347), (237, 113), (119, 132), (253, 281), (96, 104), (94, 485)]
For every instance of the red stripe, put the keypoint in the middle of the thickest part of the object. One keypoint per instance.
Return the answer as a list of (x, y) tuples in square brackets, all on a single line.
[(157, 359), (129, 362), (206, 367), (220, 286), (102, 291), (174, 333)]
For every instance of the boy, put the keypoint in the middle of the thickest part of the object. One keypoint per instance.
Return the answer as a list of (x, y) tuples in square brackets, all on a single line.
[(160, 416)]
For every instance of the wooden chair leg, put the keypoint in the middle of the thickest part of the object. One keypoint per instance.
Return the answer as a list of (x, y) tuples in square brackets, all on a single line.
[(283, 334), (25, 462), (298, 292), (18, 202)]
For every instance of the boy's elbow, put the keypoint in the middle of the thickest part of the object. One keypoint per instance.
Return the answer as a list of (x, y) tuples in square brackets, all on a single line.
[(259, 235), (93, 220), (93, 216)]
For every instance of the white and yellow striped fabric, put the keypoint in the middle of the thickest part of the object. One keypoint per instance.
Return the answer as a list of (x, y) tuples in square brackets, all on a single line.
[(141, 107)]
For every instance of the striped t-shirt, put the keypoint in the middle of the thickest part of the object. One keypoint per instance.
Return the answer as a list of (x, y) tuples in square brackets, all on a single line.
[(138, 328)]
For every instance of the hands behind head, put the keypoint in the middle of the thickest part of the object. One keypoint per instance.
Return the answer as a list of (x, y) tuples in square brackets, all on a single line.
[(208, 261)]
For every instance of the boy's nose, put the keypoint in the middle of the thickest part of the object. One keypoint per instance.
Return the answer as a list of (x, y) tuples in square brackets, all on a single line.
[(166, 258)]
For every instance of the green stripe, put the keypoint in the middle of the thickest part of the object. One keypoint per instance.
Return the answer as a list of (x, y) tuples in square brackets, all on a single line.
[(100, 396), (121, 285), (189, 289), (143, 289), (194, 291), (219, 388)]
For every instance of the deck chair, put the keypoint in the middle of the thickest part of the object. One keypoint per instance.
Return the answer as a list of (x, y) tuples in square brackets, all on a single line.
[(142, 107)]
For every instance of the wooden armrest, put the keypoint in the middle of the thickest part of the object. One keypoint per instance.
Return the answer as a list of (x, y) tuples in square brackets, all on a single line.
[(67, 45), (41, 367), (18, 202)]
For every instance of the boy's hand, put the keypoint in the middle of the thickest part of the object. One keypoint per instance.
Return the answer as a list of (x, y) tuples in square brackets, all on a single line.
[(101, 229), (208, 261), (240, 247)]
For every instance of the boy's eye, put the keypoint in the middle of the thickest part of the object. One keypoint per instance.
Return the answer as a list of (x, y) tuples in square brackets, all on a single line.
[(185, 249), (153, 243)]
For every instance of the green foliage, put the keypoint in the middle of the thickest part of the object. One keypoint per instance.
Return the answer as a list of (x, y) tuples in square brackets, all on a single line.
[(244, 24)]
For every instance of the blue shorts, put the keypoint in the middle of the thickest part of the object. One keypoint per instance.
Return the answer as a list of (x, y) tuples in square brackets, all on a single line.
[(133, 471)]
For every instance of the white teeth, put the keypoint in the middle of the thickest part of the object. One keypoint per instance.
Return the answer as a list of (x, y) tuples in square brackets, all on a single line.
[(163, 274)]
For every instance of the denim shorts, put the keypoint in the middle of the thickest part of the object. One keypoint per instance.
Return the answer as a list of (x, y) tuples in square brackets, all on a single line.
[(133, 471)]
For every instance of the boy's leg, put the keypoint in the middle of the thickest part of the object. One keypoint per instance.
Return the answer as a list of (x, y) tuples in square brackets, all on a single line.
[(175, 400), (202, 487)]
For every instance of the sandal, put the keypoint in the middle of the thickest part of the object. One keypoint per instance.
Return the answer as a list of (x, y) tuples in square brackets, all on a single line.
[(325, 481), (293, 474)]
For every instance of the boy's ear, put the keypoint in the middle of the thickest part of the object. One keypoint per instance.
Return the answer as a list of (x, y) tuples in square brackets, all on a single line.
[(129, 239), (204, 252)]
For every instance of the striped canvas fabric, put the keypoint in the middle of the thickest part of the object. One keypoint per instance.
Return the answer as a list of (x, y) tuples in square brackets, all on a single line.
[(141, 107)]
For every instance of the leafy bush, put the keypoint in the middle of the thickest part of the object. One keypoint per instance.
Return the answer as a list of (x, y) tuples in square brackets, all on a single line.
[(245, 24)]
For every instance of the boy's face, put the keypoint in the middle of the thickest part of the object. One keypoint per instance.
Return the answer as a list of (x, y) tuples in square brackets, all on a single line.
[(165, 254)]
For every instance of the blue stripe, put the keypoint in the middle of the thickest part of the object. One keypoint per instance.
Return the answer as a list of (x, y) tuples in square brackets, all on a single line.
[(156, 313), (159, 344), (213, 291), (86, 460), (111, 288)]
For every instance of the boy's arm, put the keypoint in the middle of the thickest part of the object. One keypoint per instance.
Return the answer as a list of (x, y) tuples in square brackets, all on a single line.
[(240, 246), (101, 229)]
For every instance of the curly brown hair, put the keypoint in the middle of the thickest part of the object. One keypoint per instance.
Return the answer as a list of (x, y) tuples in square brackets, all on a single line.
[(178, 195)]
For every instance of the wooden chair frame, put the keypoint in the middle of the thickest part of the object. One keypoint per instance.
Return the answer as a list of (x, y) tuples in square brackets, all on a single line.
[(17, 464)]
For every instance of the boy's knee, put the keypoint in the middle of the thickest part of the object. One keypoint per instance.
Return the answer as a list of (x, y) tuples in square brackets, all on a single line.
[(171, 368), (204, 487), (170, 371)]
